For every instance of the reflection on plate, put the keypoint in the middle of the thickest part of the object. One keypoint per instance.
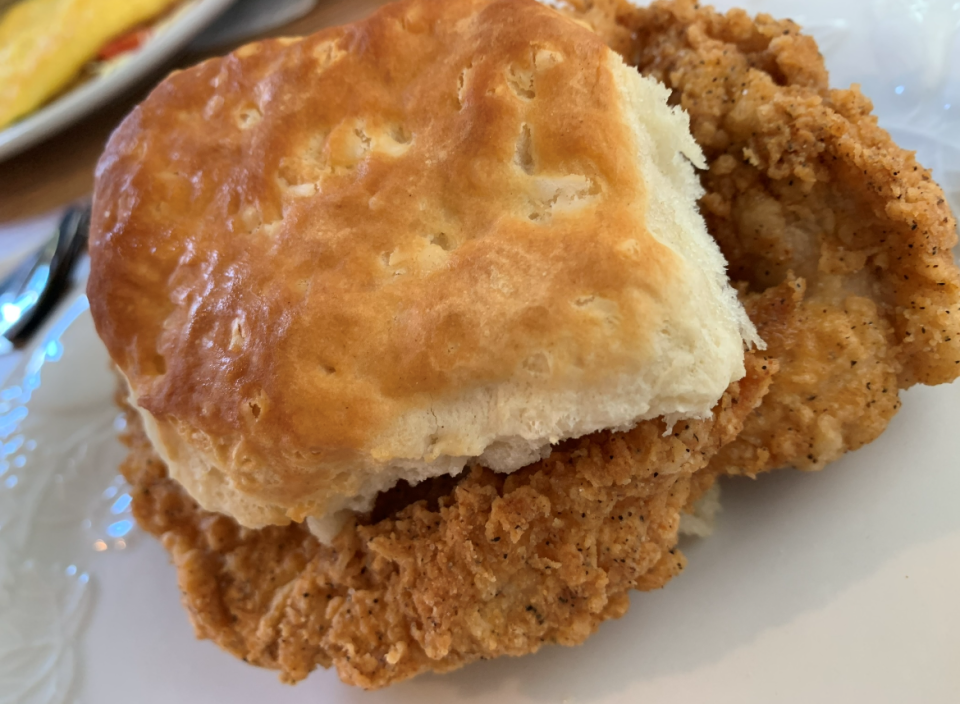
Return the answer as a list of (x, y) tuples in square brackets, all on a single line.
[(60, 498), (838, 586), (187, 21)]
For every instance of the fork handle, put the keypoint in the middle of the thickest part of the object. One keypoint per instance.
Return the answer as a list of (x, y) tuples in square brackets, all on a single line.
[(71, 243)]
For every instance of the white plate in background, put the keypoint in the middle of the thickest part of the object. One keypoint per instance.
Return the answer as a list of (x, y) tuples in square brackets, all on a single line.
[(840, 586), (186, 22)]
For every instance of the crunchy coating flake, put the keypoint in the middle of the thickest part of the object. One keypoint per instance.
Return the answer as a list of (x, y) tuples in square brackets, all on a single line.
[(497, 565), (837, 385)]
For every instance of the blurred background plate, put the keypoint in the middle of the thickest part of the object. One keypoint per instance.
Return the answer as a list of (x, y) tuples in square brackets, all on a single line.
[(175, 32)]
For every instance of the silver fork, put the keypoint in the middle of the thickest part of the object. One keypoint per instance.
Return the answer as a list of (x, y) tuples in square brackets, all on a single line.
[(30, 292)]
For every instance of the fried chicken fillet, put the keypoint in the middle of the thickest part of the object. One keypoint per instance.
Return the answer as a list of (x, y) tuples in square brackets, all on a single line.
[(840, 239)]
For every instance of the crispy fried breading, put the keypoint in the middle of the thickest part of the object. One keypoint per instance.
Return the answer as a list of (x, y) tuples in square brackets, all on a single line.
[(498, 565), (837, 385), (841, 238)]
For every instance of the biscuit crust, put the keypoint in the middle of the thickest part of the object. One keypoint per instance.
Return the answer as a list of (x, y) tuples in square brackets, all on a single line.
[(392, 242)]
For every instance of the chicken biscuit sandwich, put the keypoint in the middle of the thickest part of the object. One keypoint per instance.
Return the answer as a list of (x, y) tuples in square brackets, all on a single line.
[(422, 336)]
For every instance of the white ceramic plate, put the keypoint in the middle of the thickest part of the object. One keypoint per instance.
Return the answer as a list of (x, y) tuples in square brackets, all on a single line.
[(187, 22), (840, 586)]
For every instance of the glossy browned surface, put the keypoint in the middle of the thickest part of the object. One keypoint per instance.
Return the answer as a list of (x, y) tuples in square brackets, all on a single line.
[(288, 273)]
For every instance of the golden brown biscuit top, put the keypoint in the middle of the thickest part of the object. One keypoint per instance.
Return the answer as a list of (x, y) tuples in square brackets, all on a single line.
[(294, 244)]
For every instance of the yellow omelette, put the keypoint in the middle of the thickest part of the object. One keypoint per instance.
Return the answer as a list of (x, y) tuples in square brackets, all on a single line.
[(45, 43)]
